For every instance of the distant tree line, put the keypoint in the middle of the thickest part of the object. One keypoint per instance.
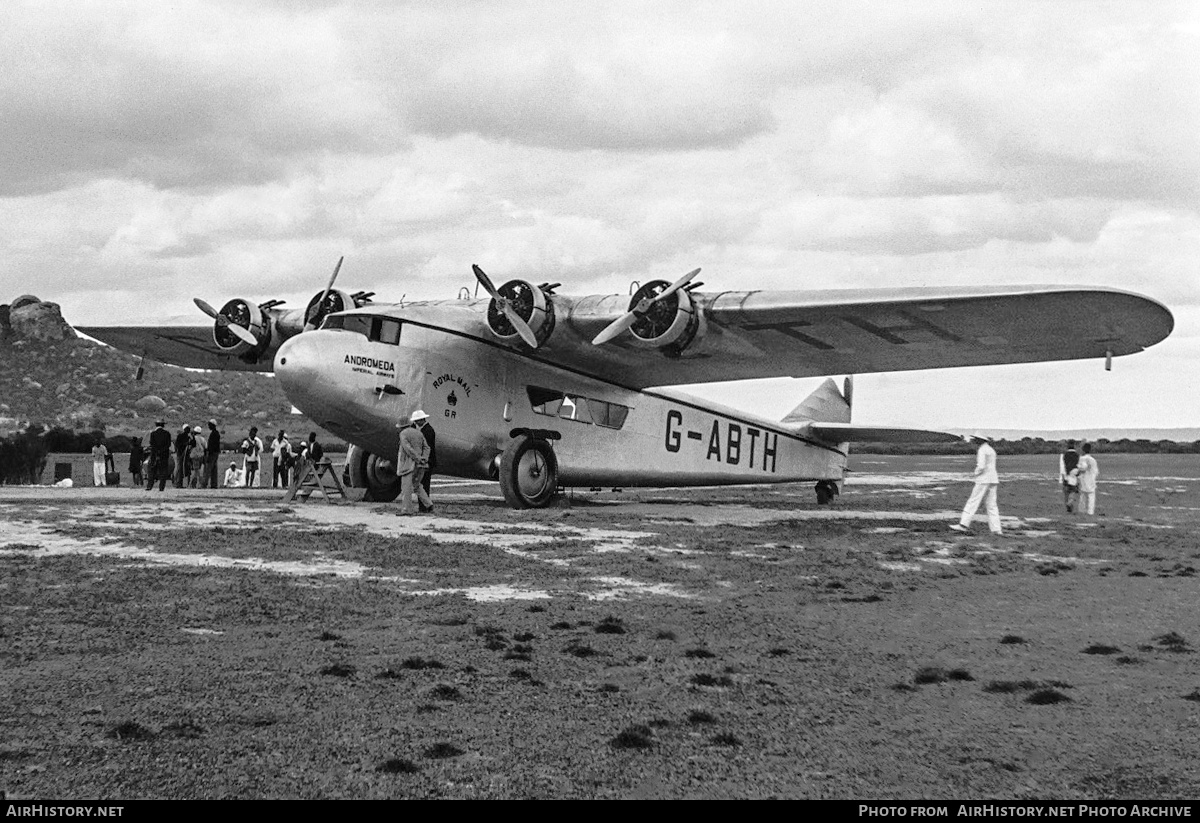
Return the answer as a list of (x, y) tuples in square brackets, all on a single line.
[(1035, 445)]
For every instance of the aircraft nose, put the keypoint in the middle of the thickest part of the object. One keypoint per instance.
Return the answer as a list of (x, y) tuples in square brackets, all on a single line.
[(297, 365)]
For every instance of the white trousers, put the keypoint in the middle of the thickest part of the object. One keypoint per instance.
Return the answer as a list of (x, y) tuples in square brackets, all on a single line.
[(1087, 502), (981, 493), (98, 473)]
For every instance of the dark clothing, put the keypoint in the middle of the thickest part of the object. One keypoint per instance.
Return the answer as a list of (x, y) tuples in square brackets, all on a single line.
[(431, 439), (137, 455), (1070, 460), (160, 458), (211, 456), (183, 442)]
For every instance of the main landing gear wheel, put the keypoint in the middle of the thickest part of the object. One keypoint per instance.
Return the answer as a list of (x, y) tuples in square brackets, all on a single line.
[(374, 473), (528, 473)]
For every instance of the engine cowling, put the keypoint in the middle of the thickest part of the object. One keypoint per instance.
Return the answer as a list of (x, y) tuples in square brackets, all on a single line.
[(337, 300), (669, 325), (251, 318), (531, 303)]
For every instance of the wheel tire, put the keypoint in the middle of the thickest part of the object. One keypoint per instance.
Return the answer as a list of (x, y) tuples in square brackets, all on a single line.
[(375, 474), (528, 473)]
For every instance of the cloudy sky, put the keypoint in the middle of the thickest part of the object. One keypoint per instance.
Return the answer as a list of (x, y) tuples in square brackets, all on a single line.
[(158, 151)]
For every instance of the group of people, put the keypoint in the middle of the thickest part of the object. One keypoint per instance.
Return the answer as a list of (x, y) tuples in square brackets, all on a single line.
[(189, 460), (1076, 473)]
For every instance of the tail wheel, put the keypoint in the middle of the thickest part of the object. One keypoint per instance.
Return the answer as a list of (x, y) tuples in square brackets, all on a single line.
[(374, 473), (528, 473)]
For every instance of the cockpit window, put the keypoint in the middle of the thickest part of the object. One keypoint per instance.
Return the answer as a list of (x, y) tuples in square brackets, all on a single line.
[(376, 329)]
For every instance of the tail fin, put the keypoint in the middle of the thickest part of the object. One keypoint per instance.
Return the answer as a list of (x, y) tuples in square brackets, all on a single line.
[(825, 405), (825, 414)]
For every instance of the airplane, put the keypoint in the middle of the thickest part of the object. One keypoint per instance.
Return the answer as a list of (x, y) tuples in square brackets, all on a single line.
[(544, 391)]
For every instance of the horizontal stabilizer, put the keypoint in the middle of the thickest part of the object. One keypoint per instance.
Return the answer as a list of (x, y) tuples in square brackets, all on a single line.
[(847, 433)]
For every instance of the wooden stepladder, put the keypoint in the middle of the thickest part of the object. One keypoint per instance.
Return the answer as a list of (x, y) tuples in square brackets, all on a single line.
[(319, 476)]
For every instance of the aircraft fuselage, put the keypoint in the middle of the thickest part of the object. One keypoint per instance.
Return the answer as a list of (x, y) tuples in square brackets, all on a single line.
[(363, 380)]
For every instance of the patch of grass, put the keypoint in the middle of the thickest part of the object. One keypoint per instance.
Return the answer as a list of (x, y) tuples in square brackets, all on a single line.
[(339, 670), (1126, 660), (516, 655), (870, 598), (930, 674), (778, 651), (610, 625), (712, 680), (444, 691), (1012, 640), (634, 737), (1047, 697), (443, 750), (1173, 642), (699, 653), (580, 650), (524, 637), (726, 739), (610, 688), (959, 674), (417, 663), (536, 609), (659, 723), (1194, 696), (130, 730), (1100, 648), (398, 765), (699, 717), (560, 625), (520, 674), (665, 636), (903, 687), (327, 636)]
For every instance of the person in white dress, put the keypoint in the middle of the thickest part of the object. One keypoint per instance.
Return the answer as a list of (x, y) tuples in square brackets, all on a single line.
[(1089, 470), (987, 482)]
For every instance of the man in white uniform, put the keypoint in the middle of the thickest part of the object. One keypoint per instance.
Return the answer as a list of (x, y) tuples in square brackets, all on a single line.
[(987, 481), (1089, 470)]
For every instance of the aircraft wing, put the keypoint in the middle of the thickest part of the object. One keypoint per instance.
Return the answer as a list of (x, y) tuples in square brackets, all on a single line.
[(803, 334), (188, 346)]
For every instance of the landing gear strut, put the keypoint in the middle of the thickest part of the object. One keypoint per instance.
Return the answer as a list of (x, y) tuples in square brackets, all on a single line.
[(826, 491)]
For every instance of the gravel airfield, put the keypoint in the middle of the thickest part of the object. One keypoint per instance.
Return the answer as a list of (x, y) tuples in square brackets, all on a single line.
[(718, 643)]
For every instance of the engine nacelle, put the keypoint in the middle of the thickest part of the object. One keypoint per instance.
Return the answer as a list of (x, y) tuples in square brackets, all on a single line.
[(533, 304), (669, 325), (250, 317)]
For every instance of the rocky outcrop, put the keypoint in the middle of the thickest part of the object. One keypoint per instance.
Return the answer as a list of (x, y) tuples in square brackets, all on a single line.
[(33, 319)]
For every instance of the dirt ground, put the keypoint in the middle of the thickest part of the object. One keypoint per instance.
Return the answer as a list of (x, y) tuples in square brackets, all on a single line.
[(718, 643)]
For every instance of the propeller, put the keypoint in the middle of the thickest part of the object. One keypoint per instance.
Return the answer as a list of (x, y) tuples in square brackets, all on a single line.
[(310, 325), (637, 312), (505, 305), (240, 333)]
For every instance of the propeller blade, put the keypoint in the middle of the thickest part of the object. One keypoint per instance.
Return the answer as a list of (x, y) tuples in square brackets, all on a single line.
[(205, 307), (486, 282), (309, 326), (519, 324), (242, 334), (676, 286), (615, 327)]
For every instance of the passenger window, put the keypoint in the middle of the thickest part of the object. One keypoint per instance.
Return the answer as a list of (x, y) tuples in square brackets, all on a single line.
[(575, 408)]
